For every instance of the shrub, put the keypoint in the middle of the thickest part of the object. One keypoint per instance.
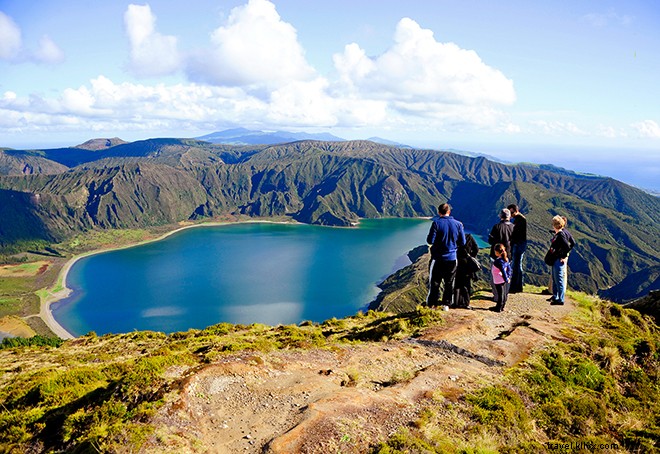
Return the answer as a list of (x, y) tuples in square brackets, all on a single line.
[(498, 407)]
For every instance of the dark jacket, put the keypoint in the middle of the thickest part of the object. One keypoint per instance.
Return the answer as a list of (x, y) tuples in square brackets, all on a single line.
[(501, 233), (470, 248), (519, 235), (445, 236), (504, 267), (560, 245)]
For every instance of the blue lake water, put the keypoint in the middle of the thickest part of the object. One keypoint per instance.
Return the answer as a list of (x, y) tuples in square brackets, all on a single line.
[(239, 273)]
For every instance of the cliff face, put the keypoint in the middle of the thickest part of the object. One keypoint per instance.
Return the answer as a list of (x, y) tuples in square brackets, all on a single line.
[(164, 181)]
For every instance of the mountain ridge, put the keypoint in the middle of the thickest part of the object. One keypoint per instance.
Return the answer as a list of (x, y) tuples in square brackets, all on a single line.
[(164, 181)]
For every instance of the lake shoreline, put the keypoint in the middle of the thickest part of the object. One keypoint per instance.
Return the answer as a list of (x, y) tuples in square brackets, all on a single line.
[(59, 290)]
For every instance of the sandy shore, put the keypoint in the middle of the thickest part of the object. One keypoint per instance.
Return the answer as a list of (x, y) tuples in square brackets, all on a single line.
[(60, 290)]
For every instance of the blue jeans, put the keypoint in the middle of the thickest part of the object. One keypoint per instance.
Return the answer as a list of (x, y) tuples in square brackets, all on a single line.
[(559, 280), (517, 253)]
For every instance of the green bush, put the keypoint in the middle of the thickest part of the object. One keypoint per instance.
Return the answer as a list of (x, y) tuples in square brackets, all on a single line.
[(498, 407), (34, 341)]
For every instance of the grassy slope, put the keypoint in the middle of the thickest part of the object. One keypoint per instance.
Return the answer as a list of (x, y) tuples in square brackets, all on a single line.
[(600, 388), (98, 393)]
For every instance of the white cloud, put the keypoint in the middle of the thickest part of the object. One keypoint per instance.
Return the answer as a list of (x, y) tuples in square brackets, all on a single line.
[(647, 129), (48, 51), (303, 103), (419, 69), (601, 20), (151, 53), (255, 49), (10, 38), (610, 132), (12, 49), (556, 128), (256, 75), (104, 104)]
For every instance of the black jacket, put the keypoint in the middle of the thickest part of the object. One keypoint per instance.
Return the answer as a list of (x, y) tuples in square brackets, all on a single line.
[(470, 248), (560, 246), (519, 235), (501, 233)]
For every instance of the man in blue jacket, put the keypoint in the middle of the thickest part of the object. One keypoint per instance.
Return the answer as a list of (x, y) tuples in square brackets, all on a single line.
[(445, 237)]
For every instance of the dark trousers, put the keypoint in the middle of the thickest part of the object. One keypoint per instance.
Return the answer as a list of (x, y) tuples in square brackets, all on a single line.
[(517, 252), (441, 271), (501, 295)]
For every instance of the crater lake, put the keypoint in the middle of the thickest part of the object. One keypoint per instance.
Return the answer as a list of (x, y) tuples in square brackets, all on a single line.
[(238, 273)]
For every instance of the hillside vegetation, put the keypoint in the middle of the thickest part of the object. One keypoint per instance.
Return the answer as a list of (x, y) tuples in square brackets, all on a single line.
[(424, 381), (160, 182)]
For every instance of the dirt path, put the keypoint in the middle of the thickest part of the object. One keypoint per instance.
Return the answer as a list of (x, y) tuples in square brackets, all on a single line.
[(344, 399)]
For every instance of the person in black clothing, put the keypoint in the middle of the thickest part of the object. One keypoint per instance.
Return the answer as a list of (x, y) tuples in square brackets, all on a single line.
[(464, 275), (500, 234), (518, 248)]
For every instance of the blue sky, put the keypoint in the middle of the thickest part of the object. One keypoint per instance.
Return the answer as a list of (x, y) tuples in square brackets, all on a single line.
[(565, 82)]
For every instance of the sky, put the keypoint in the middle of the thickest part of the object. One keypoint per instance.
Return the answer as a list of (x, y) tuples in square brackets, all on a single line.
[(570, 83)]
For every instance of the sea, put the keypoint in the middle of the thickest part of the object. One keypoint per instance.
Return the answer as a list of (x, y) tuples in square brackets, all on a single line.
[(238, 273)]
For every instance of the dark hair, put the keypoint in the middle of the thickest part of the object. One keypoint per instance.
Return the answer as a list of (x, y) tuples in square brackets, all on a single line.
[(444, 208), (499, 248), (513, 208)]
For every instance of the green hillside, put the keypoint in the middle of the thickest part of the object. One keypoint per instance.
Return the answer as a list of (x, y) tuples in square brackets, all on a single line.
[(160, 182), (372, 383)]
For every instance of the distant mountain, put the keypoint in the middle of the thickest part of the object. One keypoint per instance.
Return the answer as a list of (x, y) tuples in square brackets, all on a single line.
[(388, 142), (164, 181), (473, 154), (635, 285), (101, 144), (242, 136), (20, 162)]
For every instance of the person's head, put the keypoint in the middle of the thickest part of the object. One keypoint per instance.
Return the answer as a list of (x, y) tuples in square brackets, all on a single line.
[(500, 251), (558, 222), (505, 214), (444, 209), (513, 208)]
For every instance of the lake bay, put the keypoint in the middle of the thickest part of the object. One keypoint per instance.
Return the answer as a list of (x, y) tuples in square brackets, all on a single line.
[(238, 273)]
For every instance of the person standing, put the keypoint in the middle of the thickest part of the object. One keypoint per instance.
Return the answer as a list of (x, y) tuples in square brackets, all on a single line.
[(500, 234), (501, 272), (518, 248), (464, 273), (445, 236), (560, 246)]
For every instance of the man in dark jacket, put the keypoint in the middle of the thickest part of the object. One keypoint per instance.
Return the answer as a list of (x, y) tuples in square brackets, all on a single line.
[(501, 233), (518, 248), (445, 236)]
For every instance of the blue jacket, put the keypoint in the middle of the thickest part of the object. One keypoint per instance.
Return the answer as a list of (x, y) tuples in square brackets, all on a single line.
[(445, 236), (501, 271)]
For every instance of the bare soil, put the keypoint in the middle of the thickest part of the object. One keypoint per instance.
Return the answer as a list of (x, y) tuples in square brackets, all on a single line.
[(350, 397), (14, 327)]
